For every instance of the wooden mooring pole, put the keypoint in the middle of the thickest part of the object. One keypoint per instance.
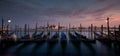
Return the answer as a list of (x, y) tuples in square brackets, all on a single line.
[(69, 28), (89, 31), (36, 27), (2, 26), (28, 29), (80, 28), (108, 28), (25, 29), (115, 33), (15, 29), (58, 29), (47, 27), (101, 30), (119, 28), (8, 29), (92, 32)]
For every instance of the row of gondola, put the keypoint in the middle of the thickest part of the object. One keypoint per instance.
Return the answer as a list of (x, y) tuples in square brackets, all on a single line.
[(45, 36), (109, 41)]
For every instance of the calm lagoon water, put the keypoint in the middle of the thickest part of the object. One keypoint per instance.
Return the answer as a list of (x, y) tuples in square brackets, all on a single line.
[(66, 48)]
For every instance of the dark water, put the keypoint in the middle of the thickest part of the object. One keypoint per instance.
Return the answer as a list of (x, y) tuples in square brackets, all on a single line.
[(60, 48)]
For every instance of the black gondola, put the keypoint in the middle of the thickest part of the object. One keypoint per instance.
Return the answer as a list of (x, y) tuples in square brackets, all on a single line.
[(63, 37), (73, 38), (63, 42), (39, 36), (83, 38), (54, 38)]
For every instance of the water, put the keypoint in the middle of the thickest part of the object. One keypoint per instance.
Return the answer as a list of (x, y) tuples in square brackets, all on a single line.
[(67, 48), (57, 49)]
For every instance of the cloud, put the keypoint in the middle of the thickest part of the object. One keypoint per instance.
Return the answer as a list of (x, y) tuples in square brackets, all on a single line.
[(99, 13), (56, 10), (102, 0)]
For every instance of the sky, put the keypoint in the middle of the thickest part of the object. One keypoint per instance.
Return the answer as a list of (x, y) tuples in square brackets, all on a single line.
[(65, 12)]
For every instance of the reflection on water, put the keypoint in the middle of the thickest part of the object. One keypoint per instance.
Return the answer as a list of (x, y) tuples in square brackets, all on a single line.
[(60, 48)]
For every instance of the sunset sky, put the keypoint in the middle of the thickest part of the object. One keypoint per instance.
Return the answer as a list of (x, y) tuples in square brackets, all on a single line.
[(66, 12)]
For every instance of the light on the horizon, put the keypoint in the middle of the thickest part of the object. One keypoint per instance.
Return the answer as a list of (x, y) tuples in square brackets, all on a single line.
[(106, 21), (56, 27), (9, 21)]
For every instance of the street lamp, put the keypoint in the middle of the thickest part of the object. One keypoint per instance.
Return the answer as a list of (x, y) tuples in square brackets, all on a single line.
[(9, 21)]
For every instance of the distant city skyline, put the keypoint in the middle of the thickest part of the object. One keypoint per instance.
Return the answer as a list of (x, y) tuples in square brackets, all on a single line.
[(65, 12)]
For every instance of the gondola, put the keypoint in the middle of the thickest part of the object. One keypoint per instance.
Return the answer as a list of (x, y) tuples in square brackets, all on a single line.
[(63, 38), (84, 38), (25, 38), (63, 42), (34, 34), (39, 36), (73, 38), (54, 38)]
